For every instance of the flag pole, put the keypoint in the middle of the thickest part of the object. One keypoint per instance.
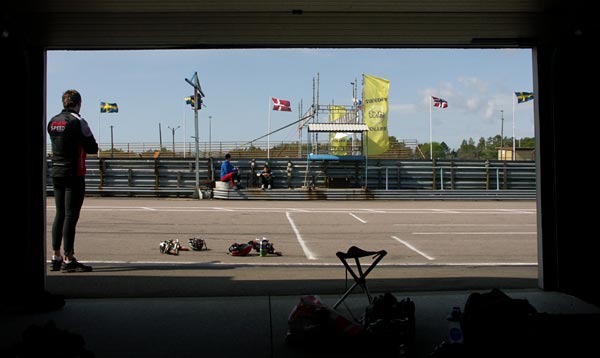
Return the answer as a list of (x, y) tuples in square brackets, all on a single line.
[(514, 147), (430, 131), (269, 132), (98, 127), (184, 130)]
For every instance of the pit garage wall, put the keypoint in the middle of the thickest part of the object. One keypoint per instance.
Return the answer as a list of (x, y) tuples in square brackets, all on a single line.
[(23, 162), (567, 235)]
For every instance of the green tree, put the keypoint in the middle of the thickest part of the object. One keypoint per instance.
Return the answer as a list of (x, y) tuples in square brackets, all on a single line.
[(440, 150)]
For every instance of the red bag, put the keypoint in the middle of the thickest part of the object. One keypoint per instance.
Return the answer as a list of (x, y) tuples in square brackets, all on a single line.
[(311, 319)]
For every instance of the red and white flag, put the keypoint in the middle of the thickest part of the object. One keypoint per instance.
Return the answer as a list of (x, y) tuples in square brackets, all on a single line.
[(281, 105), (439, 102)]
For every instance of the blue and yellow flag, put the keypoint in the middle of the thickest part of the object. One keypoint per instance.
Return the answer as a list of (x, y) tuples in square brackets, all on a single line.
[(106, 107), (524, 96), (375, 113)]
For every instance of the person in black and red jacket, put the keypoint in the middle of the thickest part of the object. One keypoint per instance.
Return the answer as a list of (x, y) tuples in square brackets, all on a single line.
[(72, 140)]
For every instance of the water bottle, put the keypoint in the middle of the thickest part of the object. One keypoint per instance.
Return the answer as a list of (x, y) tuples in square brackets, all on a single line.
[(263, 247), (455, 332)]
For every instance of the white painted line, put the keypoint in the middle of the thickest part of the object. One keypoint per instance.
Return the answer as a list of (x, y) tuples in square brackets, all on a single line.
[(147, 208), (466, 225), (414, 248), (309, 255), (306, 264), (357, 218), (223, 209), (478, 233)]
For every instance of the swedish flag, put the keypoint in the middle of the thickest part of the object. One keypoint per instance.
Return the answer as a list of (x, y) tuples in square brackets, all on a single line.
[(524, 96), (108, 107)]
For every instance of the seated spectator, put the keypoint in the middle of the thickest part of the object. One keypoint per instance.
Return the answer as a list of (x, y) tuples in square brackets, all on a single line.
[(266, 178), (229, 173)]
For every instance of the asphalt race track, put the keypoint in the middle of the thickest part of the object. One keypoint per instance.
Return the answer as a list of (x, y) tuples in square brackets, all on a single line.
[(433, 245)]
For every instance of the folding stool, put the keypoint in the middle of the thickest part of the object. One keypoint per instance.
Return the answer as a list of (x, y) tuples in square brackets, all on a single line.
[(360, 279)]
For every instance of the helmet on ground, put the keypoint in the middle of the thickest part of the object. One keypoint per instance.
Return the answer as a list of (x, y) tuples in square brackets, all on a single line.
[(240, 249), (197, 244)]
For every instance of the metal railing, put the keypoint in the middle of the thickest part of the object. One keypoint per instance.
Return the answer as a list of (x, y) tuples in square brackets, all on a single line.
[(177, 176)]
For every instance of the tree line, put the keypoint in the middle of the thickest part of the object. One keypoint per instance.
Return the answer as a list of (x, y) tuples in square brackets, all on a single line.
[(484, 149)]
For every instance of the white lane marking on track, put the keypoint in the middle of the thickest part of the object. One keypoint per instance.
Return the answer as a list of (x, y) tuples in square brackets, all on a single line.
[(469, 211), (465, 225), (357, 218), (309, 255), (300, 264), (478, 233), (413, 248)]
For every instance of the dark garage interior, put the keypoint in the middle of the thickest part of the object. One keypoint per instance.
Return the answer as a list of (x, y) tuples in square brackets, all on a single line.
[(562, 35)]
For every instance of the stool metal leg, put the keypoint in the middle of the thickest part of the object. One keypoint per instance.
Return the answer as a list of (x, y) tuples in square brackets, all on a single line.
[(361, 279)]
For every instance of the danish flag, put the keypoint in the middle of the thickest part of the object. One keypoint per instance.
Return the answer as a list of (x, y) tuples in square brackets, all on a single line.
[(281, 105), (438, 102)]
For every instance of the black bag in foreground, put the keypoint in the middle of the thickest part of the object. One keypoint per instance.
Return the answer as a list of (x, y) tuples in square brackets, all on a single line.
[(495, 324)]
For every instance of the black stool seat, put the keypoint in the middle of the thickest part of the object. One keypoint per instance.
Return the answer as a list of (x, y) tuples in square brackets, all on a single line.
[(355, 252), (360, 278)]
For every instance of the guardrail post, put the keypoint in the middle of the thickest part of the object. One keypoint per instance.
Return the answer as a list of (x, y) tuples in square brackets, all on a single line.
[(102, 170), (130, 179), (398, 176), (487, 175), (156, 177), (505, 176), (452, 175), (386, 178), (379, 174), (433, 181), (497, 178), (356, 173)]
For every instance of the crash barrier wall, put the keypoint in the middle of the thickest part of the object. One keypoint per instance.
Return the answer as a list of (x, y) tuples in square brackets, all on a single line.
[(177, 176)]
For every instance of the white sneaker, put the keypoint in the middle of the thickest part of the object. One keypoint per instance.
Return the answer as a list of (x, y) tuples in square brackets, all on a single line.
[(262, 187), (269, 187)]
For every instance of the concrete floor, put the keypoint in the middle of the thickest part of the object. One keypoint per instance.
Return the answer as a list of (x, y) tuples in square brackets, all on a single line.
[(240, 326)]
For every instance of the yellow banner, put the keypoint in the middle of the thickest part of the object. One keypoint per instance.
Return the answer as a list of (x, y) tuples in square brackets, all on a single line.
[(375, 113), (339, 143)]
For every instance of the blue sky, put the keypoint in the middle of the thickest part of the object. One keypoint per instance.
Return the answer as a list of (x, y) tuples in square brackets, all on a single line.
[(149, 87)]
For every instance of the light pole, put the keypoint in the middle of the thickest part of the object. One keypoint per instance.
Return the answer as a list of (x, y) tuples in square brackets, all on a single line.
[(502, 134), (198, 94), (209, 135), (173, 132)]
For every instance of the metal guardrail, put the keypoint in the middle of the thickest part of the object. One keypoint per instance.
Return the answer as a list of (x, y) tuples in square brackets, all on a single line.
[(385, 179)]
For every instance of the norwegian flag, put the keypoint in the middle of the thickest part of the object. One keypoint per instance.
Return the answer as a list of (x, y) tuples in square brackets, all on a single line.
[(281, 105), (439, 102)]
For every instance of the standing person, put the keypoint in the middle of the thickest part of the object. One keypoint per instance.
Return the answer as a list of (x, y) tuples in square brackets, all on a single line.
[(72, 140), (265, 177), (289, 171), (229, 173)]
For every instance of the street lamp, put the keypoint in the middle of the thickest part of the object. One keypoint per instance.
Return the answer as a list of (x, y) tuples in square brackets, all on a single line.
[(502, 134), (173, 132)]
